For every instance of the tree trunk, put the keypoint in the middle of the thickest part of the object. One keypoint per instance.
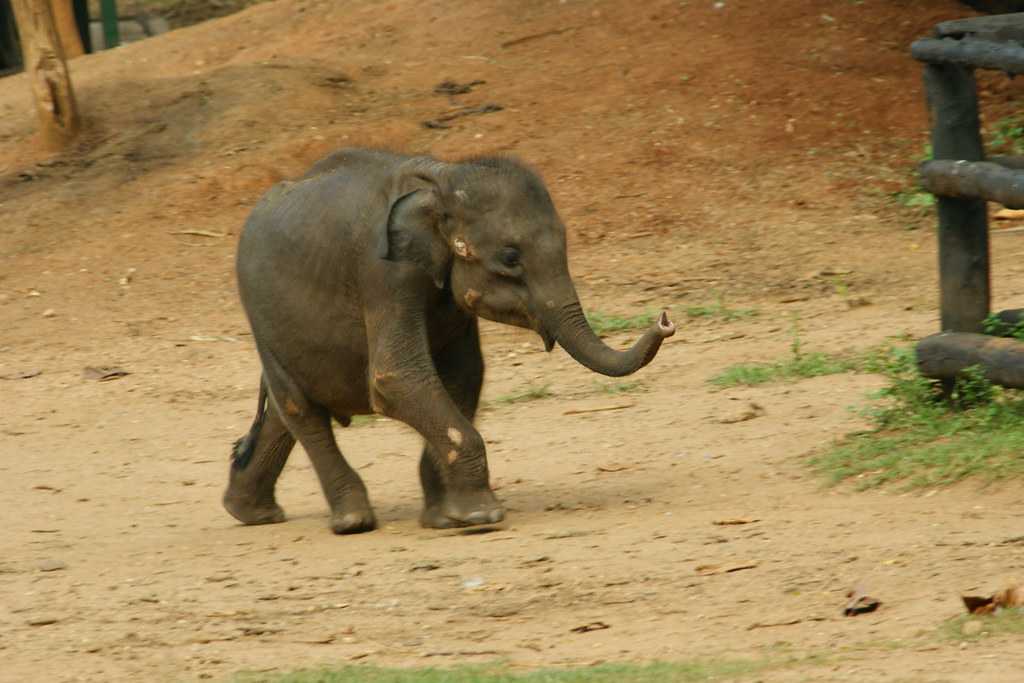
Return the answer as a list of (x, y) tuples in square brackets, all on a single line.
[(47, 72), (67, 28)]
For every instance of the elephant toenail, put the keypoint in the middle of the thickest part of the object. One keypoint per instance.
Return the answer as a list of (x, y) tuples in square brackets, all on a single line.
[(452, 456), (455, 436)]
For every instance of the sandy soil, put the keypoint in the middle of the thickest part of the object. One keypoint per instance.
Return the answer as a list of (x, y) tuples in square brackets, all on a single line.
[(744, 154)]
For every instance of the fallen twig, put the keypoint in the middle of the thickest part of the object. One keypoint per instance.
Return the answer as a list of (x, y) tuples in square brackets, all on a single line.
[(25, 374), (442, 120), (581, 411), (200, 233), (734, 521), (710, 569), (789, 622), (592, 626), (537, 36)]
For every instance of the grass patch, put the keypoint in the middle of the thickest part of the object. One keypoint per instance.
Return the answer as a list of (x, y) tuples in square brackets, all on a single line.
[(915, 199), (687, 672), (801, 366), (616, 388), (721, 311), (1003, 622), (1006, 136), (996, 327), (922, 440), (530, 393), (607, 323), (918, 203)]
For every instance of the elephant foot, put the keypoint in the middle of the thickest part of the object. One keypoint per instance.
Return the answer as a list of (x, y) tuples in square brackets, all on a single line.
[(353, 519), (247, 511), (463, 509)]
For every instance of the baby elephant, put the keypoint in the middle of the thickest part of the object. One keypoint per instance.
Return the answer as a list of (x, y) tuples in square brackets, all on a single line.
[(362, 282)]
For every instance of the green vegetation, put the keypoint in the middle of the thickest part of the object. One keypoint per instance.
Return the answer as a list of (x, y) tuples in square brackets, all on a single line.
[(687, 672), (800, 365), (624, 387), (1006, 135), (921, 438), (1003, 622), (607, 323), (720, 310), (913, 196), (994, 326), (532, 392), (915, 199)]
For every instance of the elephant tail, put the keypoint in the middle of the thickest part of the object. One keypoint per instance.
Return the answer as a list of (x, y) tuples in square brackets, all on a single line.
[(241, 452)]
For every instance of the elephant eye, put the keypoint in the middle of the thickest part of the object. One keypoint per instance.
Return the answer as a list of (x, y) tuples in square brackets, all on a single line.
[(509, 257)]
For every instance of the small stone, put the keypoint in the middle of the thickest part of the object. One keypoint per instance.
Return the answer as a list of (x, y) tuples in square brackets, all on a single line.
[(971, 628), (49, 313), (42, 620), (52, 565)]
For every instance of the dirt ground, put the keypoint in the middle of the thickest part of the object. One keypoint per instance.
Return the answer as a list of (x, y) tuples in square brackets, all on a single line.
[(742, 152)]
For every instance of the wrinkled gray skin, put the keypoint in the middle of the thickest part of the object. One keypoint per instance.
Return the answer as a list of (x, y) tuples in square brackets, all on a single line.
[(363, 281)]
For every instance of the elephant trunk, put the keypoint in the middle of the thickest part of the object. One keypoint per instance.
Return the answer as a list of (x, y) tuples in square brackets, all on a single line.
[(569, 327)]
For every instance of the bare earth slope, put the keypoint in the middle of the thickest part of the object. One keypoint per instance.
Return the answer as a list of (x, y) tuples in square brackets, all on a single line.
[(743, 154)]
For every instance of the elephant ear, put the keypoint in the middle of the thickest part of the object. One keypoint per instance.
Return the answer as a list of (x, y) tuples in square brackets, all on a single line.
[(411, 231)]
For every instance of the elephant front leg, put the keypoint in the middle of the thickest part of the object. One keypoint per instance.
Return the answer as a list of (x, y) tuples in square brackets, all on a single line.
[(461, 369), (453, 467)]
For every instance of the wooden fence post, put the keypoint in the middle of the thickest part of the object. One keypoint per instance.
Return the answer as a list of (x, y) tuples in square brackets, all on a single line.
[(963, 223), (48, 73)]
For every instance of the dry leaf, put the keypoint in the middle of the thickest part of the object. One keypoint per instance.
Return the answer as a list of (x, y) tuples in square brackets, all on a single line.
[(1010, 597), (860, 602)]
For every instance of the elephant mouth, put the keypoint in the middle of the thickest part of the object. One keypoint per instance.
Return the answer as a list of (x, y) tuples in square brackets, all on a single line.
[(549, 339)]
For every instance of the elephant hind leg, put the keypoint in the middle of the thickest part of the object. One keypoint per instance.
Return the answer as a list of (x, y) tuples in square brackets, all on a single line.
[(256, 463), (310, 423), (242, 451)]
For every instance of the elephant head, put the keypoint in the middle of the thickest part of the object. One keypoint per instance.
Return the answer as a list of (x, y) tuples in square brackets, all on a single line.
[(487, 228)]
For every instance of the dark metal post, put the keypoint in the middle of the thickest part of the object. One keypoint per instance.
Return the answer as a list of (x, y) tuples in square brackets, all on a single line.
[(963, 223), (111, 31)]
